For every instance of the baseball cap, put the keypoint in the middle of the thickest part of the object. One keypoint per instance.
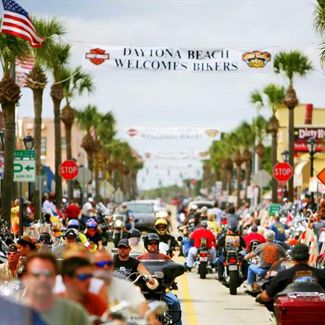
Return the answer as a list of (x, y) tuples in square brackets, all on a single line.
[(123, 243), (12, 248), (300, 252)]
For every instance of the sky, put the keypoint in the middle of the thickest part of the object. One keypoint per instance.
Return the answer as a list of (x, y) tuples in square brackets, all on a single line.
[(173, 99)]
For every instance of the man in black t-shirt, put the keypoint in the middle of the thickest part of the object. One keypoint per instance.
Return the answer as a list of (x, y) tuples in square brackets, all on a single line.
[(127, 265), (300, 272)]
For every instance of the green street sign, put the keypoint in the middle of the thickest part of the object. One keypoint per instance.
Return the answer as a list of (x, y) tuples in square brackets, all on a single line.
[(274, 208), (24, 154), (24, 170)]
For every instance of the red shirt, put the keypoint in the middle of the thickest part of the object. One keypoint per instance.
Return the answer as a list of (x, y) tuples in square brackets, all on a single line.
[(72, 211), (203, 233), (253, 236)]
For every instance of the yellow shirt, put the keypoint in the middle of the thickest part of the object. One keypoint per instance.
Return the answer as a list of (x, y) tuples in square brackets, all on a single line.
[(214, 226), (14, 213)]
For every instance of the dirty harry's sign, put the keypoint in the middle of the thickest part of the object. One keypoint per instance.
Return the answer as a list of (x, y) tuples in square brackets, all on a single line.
[(303, 134), (171, 59)]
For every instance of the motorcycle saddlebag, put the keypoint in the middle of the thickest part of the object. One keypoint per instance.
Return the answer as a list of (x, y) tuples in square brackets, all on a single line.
[(304, 309)]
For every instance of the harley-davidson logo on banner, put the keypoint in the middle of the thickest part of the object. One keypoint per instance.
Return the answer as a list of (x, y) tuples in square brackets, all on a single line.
[(177, 59), (174, 133), (303, 134), (97, 56)]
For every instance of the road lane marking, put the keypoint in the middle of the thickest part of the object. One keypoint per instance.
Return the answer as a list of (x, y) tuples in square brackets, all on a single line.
[(187, 305)]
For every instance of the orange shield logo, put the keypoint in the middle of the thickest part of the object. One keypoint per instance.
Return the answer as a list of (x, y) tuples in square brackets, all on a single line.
[(97, 56)]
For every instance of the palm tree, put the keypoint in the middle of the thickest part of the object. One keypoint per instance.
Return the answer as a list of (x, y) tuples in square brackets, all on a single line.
[(246, 135), (76, 82), (319, 23), (59, 57), (37, 81), (87, 119), (291, 64), (11, 48), (260, 127), (274, 98)]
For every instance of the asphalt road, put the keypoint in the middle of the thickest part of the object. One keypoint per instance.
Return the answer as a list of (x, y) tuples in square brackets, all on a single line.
[(206, 301)]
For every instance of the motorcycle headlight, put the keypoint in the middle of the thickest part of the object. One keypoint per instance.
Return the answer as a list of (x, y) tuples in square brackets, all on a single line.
[(118, 223)]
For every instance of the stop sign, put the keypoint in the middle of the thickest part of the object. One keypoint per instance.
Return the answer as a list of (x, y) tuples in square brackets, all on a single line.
[(68, 169), (282, 172)]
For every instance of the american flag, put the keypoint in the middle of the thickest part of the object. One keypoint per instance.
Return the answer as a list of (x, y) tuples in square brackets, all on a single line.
[(23, 67), (16, 22)]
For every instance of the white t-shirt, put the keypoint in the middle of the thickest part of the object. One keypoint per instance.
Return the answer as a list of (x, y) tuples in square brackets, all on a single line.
[(122, 290)]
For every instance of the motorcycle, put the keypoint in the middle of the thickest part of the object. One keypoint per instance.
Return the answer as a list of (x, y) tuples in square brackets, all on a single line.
[(203, 259), (301, 302), (281, 265), (170, 271), (233, 269), (119, 230)]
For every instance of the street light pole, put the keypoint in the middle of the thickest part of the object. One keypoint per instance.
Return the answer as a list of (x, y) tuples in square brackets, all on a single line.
[(29, 145), (311, 145)]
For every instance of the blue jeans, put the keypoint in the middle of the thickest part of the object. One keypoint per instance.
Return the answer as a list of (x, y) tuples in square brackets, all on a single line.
[(174, 307), (254, 270)]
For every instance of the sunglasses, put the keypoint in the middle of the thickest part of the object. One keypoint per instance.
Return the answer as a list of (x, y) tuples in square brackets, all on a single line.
[(104, 263), (153, 243), (84, 276), (37, 274)]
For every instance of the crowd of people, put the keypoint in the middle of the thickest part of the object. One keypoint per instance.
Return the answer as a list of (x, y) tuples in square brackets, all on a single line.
[(62, 272)]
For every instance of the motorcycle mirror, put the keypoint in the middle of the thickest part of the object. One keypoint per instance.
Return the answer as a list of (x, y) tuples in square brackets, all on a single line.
[(159, 274)]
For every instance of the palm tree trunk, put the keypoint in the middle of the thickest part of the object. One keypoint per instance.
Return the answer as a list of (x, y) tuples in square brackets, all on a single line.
[(58, 157), (38, 104), (291, 152), (68, 129), (247, 175), (9, 125), (238, 183), (96, 179), (274, 161)]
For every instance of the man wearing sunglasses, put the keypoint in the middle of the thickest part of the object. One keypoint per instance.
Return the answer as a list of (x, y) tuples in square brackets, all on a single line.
[(119, 290), (8, 270), (38, 280), (77, 273)]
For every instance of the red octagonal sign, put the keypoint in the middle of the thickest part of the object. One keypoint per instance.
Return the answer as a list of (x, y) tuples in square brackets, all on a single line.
[(282, 171), (68, 170)]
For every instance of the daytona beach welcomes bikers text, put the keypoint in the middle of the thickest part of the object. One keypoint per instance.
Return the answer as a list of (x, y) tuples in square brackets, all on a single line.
[(175, 60)]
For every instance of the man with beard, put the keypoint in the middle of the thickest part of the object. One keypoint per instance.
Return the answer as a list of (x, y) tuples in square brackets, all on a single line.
[(39, 279)]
